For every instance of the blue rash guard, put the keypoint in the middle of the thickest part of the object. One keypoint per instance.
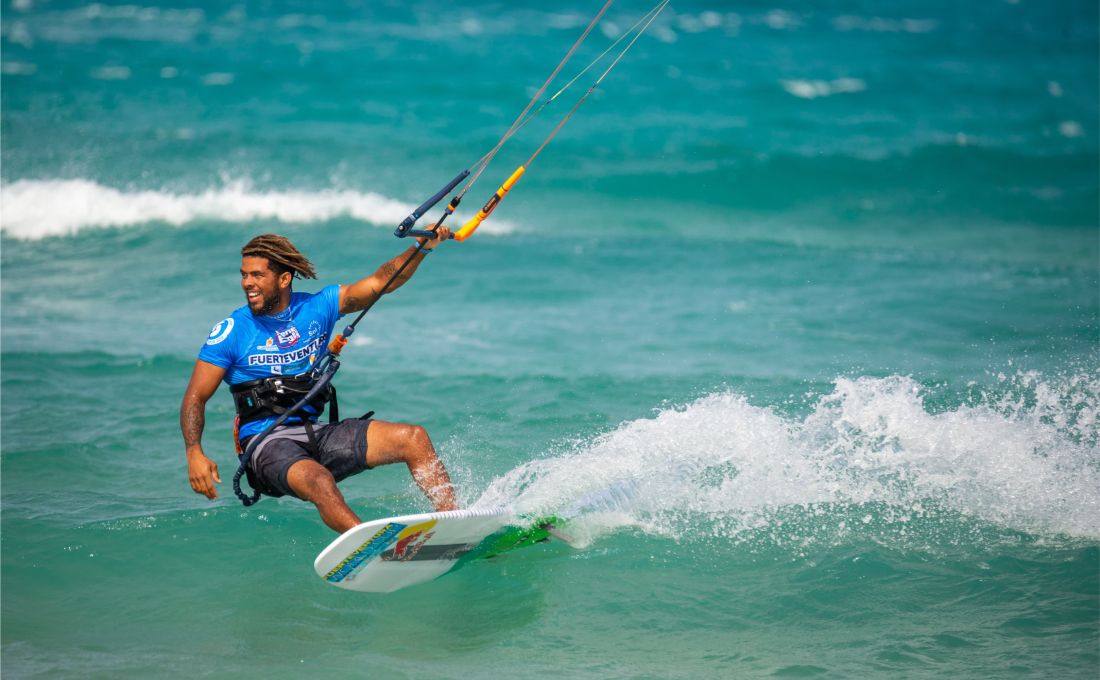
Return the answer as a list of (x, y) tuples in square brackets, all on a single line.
[(251, 347)]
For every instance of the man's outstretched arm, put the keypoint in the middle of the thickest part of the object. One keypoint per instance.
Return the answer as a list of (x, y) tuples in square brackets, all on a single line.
[(364, 292), (202, 471)]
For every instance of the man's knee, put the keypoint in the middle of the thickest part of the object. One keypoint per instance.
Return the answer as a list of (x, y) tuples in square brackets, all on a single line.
[(309, 480), (418, 438), (397, 443)]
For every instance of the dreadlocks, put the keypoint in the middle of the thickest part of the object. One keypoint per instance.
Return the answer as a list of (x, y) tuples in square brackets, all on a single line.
[(281, 255)]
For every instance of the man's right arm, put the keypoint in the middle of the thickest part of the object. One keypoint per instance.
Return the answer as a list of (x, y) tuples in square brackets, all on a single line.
[(202, 471)]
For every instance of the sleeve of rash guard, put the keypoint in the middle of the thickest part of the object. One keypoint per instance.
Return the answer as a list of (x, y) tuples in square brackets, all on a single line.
[(332, 300), (218, 349)]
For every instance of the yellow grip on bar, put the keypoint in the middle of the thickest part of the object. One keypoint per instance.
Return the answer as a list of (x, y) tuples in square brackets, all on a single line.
[(468, 229)]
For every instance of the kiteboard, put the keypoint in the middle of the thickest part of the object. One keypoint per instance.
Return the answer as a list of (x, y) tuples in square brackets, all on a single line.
[(396, 552)]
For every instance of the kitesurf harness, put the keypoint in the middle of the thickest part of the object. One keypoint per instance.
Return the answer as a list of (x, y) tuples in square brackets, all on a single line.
[(274, 396), (311, 389), (271, 396)]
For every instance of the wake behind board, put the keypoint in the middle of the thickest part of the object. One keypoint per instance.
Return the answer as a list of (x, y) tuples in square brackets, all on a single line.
[(388, 554)]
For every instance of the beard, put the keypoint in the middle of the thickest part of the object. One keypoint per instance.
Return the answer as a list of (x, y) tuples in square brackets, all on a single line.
[(267, 303)]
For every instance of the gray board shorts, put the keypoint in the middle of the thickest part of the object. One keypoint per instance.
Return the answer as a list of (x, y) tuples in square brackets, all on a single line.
[(341, 448)]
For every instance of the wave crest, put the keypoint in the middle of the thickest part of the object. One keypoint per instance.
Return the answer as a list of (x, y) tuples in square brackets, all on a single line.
[(35, 209)]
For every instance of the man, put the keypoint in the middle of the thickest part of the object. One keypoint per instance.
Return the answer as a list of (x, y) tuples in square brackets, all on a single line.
[(281, 333)]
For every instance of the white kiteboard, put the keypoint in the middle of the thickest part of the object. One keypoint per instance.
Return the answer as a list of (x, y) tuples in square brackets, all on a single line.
[(388, 554)]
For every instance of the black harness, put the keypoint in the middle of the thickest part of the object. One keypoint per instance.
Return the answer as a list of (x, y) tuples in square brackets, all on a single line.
[(275, 396)]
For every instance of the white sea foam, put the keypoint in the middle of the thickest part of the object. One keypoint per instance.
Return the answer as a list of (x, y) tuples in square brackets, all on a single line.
[(880, 25), (689, 23), (218, 79), (96, 22), (1071, 129), (18, 68), (1024, 460), (34, 209), (111, 73), (812, 89), (781, 20), (18, 34), (139, 13)]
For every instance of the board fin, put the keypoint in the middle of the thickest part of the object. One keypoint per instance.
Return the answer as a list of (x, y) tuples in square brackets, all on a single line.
[(560, 535), (517, 537)]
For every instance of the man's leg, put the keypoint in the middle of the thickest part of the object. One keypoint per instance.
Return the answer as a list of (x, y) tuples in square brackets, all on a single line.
[(401, 443), (311, 482)]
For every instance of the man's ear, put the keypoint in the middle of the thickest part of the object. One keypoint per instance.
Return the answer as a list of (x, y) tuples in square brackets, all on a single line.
[(285, 279)]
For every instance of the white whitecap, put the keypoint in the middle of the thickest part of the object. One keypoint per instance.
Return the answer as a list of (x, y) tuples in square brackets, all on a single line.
[(882, 25), (690, 24), (292, 21), (564, 21), (17, 68), (711, 19), (35, 209), (19, 34), (664, 34), (781, 20), (470, 26), (1070, 129), (217, 79), (812, 89)]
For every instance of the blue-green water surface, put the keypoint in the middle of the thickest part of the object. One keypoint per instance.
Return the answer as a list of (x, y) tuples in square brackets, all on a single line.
[(798, 319)]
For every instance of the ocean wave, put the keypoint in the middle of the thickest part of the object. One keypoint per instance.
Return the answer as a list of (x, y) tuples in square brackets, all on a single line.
[(873, 456), (35, 209)]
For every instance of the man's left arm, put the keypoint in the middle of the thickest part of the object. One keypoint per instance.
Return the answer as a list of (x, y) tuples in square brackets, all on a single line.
[(365, 292)]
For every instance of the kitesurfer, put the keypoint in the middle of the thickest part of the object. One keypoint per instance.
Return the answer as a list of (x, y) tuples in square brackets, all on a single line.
[(264, 350)]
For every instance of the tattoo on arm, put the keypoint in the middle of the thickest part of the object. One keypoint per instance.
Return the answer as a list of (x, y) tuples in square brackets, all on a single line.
[(192, 421), (388, 270), (355, 299)]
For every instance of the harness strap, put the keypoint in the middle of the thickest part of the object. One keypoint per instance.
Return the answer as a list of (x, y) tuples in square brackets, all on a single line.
[(321, 391)]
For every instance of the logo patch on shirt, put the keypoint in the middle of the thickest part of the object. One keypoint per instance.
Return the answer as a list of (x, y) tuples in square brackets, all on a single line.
[(269, 347), (288, 358), (287, 337), (220, 331)]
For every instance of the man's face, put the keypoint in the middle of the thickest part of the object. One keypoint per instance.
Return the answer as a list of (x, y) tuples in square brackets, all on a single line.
[(261, 285)]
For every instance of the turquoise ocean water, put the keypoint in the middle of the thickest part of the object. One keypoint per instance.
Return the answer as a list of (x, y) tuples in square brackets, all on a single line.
[(798, 318)]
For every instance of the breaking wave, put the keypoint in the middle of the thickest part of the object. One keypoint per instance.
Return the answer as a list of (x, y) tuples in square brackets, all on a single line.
[(35, 209), (875, 455)]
